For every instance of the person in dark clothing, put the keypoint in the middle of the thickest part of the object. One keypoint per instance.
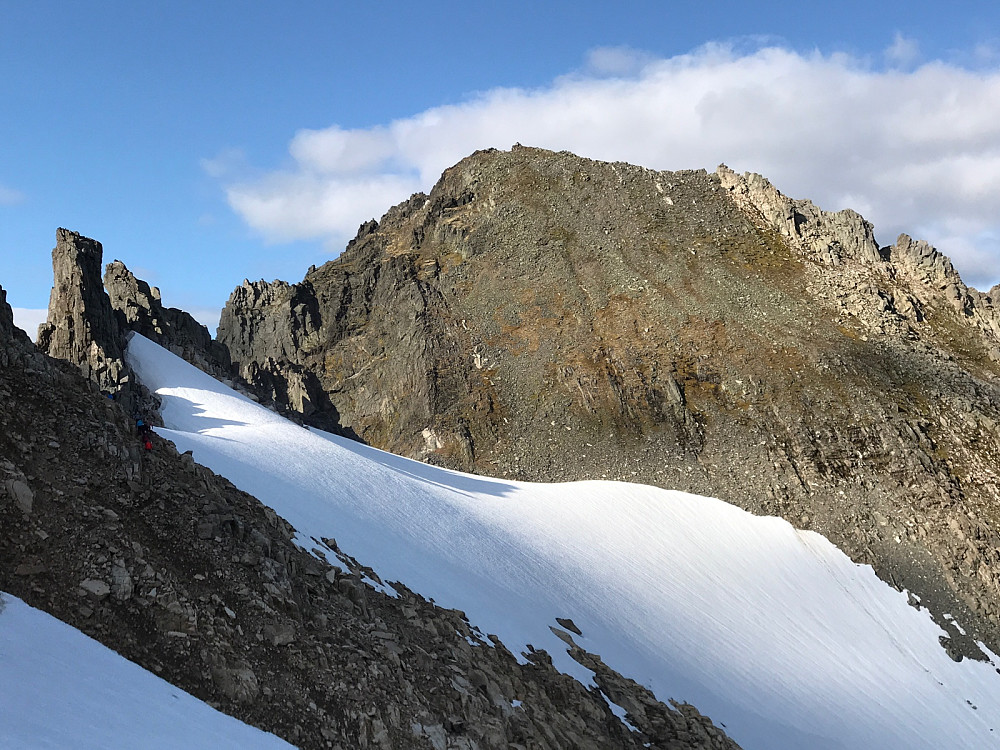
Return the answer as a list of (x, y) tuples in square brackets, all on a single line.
[(145, 433)]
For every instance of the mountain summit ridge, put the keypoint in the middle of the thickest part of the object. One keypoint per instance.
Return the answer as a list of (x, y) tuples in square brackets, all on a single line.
[(542, 316)]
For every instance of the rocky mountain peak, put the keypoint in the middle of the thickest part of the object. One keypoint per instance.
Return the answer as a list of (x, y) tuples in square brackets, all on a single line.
[(238, 613), (924, 266), (829, 237), (81, 326), (547, 317), (543, 317), (883, 286), (290, 329), (923, 261), (8, 331), (138, 303), (281, 320), (88, 324), (138, 308)]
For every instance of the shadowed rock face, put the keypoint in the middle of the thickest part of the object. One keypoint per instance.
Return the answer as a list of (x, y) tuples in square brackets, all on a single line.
[(9, 331), (547, 317), (88, 325), (81, 326), (138, 308)]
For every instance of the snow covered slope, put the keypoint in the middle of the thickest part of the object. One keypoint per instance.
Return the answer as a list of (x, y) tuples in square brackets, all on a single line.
[(61, 689), (772, 632)]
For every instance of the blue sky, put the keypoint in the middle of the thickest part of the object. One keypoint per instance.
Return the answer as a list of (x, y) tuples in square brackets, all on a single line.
[(202, 143)]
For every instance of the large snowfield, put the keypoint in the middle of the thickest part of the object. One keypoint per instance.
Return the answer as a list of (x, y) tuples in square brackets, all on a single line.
[(60, 689), (772, 632)]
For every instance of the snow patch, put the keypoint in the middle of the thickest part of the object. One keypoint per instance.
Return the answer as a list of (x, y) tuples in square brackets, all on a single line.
[(771, 631), (60, 689)]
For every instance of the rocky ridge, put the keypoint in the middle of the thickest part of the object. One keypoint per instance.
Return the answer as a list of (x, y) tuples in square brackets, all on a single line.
[(8, 331), (547, 317), (137, 307), (81, 326), (176, 569)]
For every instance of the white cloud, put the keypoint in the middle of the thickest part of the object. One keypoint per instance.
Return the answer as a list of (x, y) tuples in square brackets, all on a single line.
[(335, 151), (305, 205), (985, 55), (913, 150), (903, 52), (616, 61), (227, 163), (9, 196)]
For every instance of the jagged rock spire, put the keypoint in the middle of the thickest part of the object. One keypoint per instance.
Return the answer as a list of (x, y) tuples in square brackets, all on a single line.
[(8, 331), (81, 326), (138, 308), (89, 326), (137, 304), (829, 237)]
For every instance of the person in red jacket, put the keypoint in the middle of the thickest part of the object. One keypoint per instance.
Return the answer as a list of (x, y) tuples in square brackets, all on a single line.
[(145, 433)]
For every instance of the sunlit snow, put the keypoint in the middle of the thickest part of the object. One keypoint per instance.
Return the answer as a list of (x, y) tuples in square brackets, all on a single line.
[(770, 631), (61, 689)]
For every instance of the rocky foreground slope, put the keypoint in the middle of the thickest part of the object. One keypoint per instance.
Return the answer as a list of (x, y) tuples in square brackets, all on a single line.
[(171, 566), (543, 316)]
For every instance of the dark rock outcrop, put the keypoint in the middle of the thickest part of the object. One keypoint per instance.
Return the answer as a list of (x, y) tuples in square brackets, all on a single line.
[(89, 325), (138, 308), (176, 569), (283, 321), (9, 331), (370, 333), (81, 326), (547, 317)]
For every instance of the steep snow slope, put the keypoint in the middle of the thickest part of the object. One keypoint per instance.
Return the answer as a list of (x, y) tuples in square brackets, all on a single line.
[(61, 689), (772, 632)]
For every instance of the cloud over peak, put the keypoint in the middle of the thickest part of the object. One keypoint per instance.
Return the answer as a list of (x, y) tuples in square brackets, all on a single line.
[(9, 196), (915, 149)]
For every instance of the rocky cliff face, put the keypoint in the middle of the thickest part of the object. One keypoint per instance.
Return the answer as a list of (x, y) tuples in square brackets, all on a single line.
[(547, 317), (81, 326), (8, 331), (380, 328), (239, 615), (88, 324), (905, 278), (138, 308), (278, 378)]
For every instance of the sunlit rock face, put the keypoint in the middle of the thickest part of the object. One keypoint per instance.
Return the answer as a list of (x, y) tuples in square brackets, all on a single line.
[(543, 316)]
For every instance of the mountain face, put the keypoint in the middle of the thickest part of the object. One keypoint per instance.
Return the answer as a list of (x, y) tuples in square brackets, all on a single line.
[(8, 331), (547, 317), (771, 630), (138, 308), (173, 567), (81, 326), (537, 316)]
